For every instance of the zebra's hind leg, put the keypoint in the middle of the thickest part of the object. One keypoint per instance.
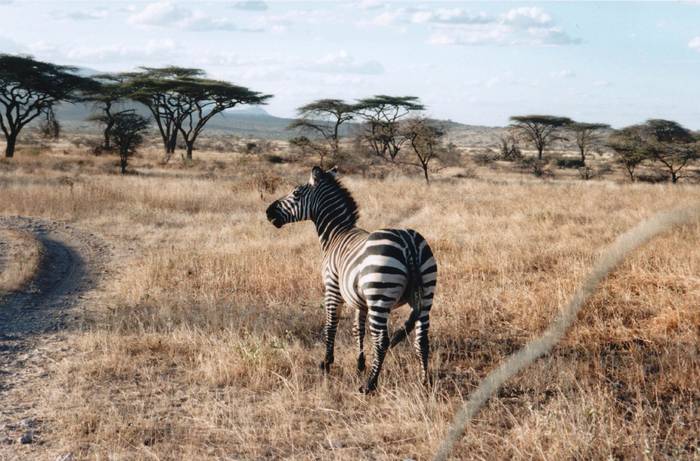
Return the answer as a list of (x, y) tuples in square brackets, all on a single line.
[(358, 330), (421, 342), (378, 317)]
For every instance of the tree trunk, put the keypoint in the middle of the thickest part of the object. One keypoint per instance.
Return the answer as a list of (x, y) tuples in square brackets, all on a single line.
[(122, 162), (11, 143), (539, 153), (172, 144), (674, 177), (108, 131), (425, 173), (583, 156), (190, 148)]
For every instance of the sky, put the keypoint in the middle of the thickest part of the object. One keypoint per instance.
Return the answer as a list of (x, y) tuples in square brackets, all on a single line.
[(471, 62)]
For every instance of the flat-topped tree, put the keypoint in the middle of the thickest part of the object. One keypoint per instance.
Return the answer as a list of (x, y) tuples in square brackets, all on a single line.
[(382, 115), (323, 118), (156, 88), (106, 97), (29, 88), (541, 130), (671, 145), (629, 147), (586, 134), (201, 99)]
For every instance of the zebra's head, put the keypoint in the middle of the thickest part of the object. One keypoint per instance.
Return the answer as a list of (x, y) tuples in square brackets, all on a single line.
[(299, 204)]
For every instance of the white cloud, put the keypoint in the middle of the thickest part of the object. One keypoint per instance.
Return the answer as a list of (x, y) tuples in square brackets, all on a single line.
[(387, 18), (251, 5), (370, 4), (518, 26), (564, 73), (549, 36), (602, 83), (694, 44), (168, 14), (527, 17), (159, 14), (456, 26), (80, 15), (449, 16), (343, 63), (477, 34), (127, 54)]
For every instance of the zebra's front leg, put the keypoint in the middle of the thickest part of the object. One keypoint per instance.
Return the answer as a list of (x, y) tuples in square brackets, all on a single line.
[(331, 303), (358, 330), (378, 317)]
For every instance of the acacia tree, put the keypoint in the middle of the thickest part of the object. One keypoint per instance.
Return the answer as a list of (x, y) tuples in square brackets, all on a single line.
[(541, 130), (323, 118), (29, 88), (156, 88), (112, 91), (671, 145), (126, 134), (382, 115), (425, 138), (628, 145), (199, 100), (586, 134)]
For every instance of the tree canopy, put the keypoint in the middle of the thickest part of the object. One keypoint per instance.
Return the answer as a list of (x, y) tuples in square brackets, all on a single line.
[(183, 101), (323, 118), (29, 88), (541, 130), (382, 114), (110, 91)]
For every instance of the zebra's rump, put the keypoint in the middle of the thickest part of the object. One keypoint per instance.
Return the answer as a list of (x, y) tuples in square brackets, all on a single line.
[(393, 263)]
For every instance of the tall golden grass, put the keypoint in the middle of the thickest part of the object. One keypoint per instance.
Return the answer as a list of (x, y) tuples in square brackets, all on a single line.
[(205, 338), (19, 259)]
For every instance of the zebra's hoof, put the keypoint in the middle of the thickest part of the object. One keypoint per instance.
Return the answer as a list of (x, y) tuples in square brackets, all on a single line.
[(368, 389), (361, 364)]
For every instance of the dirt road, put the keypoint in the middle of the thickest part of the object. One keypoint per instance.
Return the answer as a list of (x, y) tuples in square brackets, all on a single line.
[(34, 321)]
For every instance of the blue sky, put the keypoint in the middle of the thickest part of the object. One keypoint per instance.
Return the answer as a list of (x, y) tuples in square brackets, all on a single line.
[(472, 62)]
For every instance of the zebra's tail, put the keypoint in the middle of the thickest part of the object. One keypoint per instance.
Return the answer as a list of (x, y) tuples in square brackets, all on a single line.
[(415, 301)]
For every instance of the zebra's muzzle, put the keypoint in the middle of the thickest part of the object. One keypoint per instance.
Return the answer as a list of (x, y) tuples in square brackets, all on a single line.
[(273, 216)]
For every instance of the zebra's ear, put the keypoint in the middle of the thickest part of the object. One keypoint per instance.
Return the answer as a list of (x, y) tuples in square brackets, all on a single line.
[(316, 175), (333, 171)]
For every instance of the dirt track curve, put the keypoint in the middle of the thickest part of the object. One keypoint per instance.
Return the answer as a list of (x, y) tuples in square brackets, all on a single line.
[(33, 320)]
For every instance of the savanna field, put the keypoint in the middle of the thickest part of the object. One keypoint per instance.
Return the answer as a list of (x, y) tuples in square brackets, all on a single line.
[(203, 338)]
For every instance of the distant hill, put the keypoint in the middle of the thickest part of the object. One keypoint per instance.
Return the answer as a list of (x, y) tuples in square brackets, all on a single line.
[(246, 122)]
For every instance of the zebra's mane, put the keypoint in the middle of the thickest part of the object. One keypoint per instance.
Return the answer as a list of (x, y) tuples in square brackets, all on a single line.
[(349, 202)]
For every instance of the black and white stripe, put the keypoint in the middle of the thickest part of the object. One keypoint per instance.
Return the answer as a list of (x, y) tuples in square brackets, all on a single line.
[(372, 272)]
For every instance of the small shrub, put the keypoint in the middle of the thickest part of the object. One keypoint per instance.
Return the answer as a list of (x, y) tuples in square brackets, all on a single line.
[(484, 158), (266, 183), (564, 162), (272, 158), (586, 173), (653, 178)]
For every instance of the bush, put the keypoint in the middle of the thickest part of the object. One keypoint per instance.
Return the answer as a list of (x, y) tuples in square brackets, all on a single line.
[(271, 158), (484, 157), (564, 162)]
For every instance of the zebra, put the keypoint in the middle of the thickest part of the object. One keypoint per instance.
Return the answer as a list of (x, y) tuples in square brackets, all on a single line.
[(374, 272)]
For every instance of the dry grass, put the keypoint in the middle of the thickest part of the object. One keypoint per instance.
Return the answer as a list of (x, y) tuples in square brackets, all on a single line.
[(20, 254), (206, 342)]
